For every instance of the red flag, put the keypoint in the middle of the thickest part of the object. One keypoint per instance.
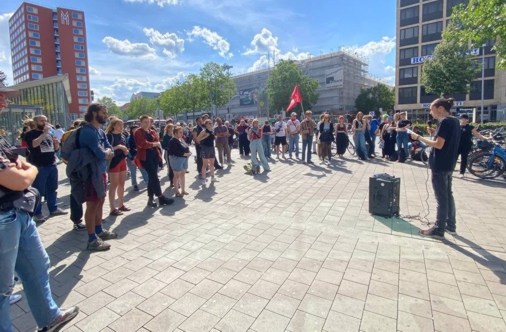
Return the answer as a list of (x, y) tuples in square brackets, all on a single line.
[(296, 98)]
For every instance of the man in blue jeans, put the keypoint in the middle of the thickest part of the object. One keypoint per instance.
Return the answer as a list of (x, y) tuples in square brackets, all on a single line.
[(442, 160), (21, 251), (292, 132), (42, 147), (307, 130)]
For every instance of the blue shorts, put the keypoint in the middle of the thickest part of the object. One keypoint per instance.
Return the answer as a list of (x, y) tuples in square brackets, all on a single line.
[(178, 164)]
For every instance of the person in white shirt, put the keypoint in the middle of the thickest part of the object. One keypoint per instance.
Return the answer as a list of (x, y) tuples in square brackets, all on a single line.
[(58, 132), (293, 134), (280, 137)]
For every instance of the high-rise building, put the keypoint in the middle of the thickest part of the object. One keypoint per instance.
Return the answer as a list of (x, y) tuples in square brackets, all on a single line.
[(420, 24), (48, 42)]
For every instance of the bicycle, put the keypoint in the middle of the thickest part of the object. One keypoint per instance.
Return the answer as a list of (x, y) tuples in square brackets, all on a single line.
[(488, 164), (350, 148)]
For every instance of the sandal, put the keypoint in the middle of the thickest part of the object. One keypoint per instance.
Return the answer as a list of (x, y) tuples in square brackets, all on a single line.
[(124, 209), (116, 212), (178, 195)]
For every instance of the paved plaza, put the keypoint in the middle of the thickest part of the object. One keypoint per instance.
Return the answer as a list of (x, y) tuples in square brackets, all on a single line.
[(291, 250)]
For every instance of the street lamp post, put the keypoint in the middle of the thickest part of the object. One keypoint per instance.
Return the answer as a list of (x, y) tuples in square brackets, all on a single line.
[(482, 82)]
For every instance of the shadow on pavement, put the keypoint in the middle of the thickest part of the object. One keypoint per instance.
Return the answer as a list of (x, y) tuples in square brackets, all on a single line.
[(485, 258)]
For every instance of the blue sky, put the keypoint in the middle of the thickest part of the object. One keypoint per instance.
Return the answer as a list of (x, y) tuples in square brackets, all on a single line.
[(148, 45)]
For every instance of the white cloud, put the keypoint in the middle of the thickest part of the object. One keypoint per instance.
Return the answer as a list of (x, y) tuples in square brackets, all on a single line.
[(263, 42), (5, 59), (94, 71), (125, 47), (173, 45), (161, 3), (212, 39), (382, 47)]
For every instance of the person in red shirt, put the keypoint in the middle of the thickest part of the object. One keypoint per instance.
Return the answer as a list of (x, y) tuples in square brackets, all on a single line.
[(148, 153)]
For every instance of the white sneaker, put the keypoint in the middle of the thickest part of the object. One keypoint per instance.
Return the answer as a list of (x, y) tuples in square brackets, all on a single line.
[(204, 182), (14, 298), (213, 179)]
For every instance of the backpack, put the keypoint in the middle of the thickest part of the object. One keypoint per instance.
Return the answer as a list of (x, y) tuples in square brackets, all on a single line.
[(70, 144)]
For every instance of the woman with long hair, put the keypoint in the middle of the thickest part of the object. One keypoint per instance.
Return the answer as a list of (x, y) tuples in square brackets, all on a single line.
[(117, 167), (206, 139), (168, 134), (326, 131), (179, 152), (149, 155), (359, 136), (342, 140)]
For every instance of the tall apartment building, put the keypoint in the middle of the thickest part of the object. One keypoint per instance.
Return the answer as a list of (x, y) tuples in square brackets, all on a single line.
[(420, 24), (48, 42)]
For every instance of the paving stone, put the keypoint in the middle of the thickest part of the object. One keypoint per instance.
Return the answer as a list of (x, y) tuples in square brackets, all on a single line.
[(283, 305), (339, 322), (412, 323), (99, 320), (375, 322), (270, 322), (187, 304), (235, 321), (302, 322), (219, 305), (167, 320), (315, 305), (131, 321)]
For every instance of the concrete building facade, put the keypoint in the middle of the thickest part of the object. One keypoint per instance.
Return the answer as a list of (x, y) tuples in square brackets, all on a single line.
[(420, 24), (49, 42)]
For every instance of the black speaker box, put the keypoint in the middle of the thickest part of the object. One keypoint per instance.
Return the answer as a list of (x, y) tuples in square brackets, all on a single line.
[(384, 192)]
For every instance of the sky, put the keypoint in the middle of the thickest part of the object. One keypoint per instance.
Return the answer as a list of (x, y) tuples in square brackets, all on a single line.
[(149, 45)]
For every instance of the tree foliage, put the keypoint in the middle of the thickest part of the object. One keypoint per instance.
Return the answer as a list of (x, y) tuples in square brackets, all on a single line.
[(218, 82), (478, 22), (112, 108), (141, 106), (374, 98), (281, 82), (450, 71)]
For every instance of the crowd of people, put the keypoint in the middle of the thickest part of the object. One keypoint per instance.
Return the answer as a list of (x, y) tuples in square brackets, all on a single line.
[(98, 162)]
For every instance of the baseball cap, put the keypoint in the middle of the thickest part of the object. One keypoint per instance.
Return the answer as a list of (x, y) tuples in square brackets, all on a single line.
[(293, 114)]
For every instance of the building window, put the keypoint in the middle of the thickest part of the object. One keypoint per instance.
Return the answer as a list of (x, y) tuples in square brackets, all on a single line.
[(475, 93), (82, 93), (77, 16), (428, 49), (81, 78), (82, 85), (80, 55), (37, 67), (35, 51), (77, 31), (408, 95), (33, 26), (432, 31), (81, 109), (409, 16), (80, 63), (408, 53), (81, 70), (433, 10), (36, 76), (33, 18), (78, 24), (34, 43), (450, 4), (35, 59), (78, 39), (409, 36), (78, 47), (409, 72), (33, 34), (32, 10)]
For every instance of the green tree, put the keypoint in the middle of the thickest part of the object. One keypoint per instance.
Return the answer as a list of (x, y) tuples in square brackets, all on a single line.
[(280, 85), (450, 71), (219, 85), (374, 98), (478, 22), (112, 108), (141, 106)]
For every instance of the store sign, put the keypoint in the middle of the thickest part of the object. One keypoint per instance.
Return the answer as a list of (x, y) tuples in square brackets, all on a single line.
[(420, 59), (455, 104)]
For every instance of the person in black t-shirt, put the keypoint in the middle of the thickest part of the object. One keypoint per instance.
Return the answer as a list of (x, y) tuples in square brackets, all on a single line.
[(466, 141), (442, 160), (42, 147)]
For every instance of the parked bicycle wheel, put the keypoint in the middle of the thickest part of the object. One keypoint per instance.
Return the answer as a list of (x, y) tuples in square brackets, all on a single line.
[(333, 148), (486, 165), (351, 148)]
